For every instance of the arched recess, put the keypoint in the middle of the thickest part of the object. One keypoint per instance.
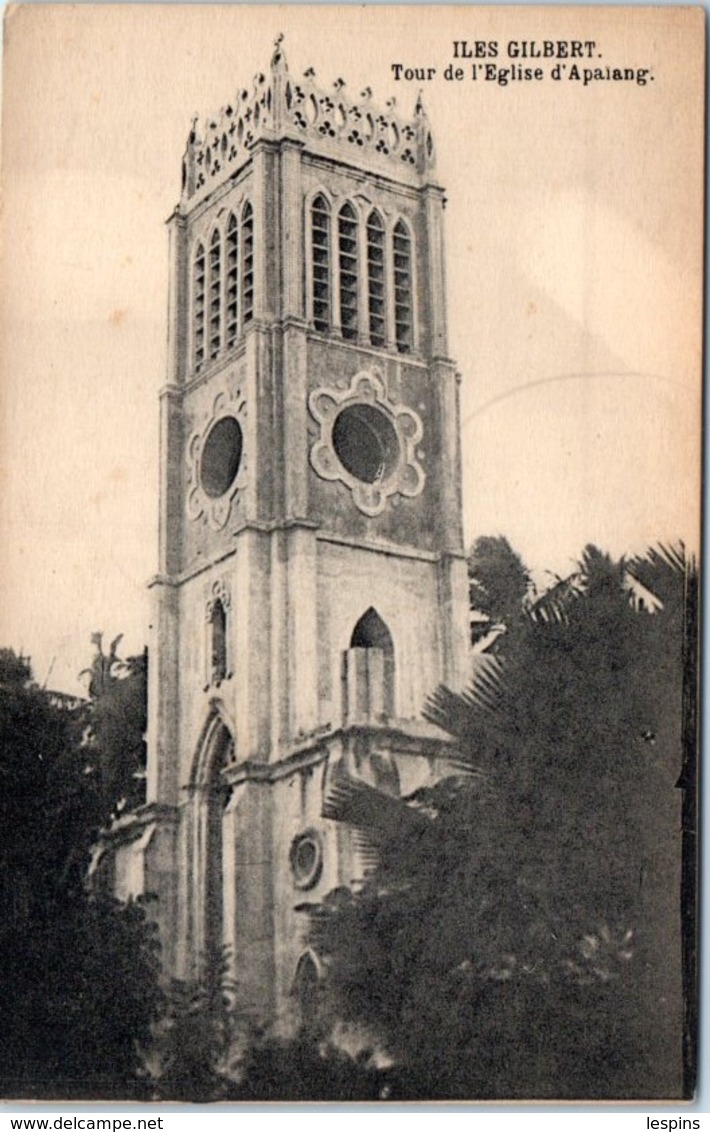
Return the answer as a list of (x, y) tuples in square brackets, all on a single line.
[(218, 641), (369, 670), (371, 632), (305, 989), (211, 876)]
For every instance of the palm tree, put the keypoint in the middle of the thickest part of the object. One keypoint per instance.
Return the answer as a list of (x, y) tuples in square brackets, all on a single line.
[(520, 929)]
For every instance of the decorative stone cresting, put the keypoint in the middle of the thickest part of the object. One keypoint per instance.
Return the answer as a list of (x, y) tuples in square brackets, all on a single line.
[(278, 106), (406, 476)]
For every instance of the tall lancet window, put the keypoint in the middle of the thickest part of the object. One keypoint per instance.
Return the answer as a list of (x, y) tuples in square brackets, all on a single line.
[(247, 264), (348, 268), (402, 248), (215, 294), (198, 299), (320, 248), (218, 642), (217, 651), (376, 278), (232, 282)]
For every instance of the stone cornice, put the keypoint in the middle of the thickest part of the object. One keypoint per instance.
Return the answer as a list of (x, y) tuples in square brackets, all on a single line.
[(413, 738)]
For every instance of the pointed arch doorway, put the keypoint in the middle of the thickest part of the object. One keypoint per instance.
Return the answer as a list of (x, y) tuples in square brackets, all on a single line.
[(213, 857)]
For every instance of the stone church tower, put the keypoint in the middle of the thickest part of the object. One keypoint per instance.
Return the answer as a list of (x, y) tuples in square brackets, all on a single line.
[(312, 588)]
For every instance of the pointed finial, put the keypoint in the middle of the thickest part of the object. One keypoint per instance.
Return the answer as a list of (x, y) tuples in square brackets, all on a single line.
[(419, 108), (278, 54)]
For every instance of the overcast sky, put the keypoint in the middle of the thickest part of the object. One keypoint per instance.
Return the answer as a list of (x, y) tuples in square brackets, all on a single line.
[(574, 272)]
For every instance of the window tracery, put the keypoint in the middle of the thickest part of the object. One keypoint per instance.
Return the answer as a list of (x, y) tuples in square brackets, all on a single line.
[(360, 275), (223, 287)]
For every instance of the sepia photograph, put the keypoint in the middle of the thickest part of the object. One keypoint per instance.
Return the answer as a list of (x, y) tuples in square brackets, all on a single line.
[(351, 409)]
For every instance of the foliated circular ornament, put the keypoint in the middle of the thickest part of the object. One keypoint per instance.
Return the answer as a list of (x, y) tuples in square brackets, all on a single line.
[(216, 460), (367, 441)]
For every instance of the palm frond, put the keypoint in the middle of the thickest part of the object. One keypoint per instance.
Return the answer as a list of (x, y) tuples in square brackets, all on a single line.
[(356, 803)]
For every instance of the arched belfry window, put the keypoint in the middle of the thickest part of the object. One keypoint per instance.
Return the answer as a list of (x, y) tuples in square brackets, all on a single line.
[(320, 251), (348, 270), (198, 293), (403, 306), (376, 278), (215, 294), (369, 671), (232, 282), (247, 264)]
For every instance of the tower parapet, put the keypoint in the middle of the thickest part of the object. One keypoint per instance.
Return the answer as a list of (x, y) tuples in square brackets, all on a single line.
[(330, 122)]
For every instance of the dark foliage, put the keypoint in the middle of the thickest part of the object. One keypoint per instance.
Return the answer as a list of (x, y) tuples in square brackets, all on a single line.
[(519, 942), (205, 1051), (81, 987), (118, 718), (499, 583)]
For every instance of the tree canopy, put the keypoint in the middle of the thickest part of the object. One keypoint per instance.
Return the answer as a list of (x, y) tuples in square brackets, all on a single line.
[(516, 939), (81, 989)]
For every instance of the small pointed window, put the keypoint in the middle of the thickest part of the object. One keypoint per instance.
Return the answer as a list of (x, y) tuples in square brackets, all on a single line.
[(320, 237), (199, 306), (348, 260), (402, 248), (247, 265), (232, 302), (218, 642), (369, 670), (372, 633), (376, 278), (215, 294)]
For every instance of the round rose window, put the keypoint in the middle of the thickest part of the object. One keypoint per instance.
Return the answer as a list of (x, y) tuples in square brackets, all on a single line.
[(221, 457), (306, 858), (366, 443)]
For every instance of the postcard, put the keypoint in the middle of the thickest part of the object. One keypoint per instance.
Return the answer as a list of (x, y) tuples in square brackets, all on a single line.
[(351, 411)]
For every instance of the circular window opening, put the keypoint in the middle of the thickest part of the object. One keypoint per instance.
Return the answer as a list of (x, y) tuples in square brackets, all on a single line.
[(221, 457), (366, 443), (306, 858)]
